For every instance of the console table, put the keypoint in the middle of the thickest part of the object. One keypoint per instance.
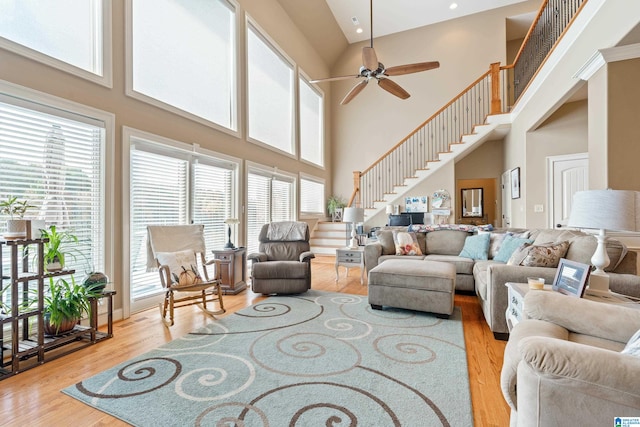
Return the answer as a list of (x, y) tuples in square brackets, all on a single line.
[(233, 263)]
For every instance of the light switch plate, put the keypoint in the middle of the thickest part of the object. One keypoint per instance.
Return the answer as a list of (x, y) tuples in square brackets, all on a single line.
[(538, 208)]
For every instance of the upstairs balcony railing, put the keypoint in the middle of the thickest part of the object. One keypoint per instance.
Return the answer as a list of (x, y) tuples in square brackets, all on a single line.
[(495, 92)]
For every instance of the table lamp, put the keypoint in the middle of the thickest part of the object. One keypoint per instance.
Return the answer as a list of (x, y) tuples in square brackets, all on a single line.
[(354, 216), (615, 210), (230, 222)]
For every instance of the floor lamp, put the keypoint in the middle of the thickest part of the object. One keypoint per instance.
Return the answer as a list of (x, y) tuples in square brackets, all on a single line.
[(354, 216), (603, 210)]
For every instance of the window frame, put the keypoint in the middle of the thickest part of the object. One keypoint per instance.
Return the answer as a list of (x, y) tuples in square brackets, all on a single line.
[(164, 146), (304, 77), (236, 118), (104, 79), (276, 49)]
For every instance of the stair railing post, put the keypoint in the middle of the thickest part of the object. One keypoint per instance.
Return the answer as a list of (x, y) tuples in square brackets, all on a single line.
[(496, 101), (355, 196)]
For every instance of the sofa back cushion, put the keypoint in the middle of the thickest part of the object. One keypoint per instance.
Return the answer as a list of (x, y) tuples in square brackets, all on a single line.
[(583, 247), (446, 242)]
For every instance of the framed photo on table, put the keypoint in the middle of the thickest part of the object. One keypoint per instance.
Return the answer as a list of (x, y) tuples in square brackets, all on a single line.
[(515, 183), (571, 278)]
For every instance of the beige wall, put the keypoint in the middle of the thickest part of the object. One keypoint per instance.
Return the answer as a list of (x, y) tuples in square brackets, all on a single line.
[(138, 115), (565, 132), (375, 120)]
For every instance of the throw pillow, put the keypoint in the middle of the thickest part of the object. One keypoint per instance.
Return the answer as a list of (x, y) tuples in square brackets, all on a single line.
[(476, 247), (508, 247), (633, 346), (406, 243), (495, 241), (178, 262), (547, 255)]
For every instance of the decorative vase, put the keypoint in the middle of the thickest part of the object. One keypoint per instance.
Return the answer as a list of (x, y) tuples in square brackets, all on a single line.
[(54, 265), (65, 326), (16, 229)]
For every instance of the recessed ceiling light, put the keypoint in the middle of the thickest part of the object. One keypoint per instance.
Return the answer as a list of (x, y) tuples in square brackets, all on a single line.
[(453, 6), (359, 30)]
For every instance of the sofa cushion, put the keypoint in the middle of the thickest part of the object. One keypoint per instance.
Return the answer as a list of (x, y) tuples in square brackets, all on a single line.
[(508, 247), (446, 242), (546, 236), (385, 238), (406, 243), (548, 255), (582, 247), (462, 265), (476, 247), (386, 257)]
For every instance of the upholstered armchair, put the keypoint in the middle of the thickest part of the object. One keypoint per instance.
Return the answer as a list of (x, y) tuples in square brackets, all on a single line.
[(563, 366), (283, 263)]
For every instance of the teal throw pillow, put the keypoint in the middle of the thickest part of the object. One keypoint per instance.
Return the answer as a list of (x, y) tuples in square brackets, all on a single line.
[(633, 346), (476, 247), (509, 246)]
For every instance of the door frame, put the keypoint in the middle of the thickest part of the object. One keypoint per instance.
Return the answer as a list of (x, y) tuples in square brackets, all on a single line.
[(551, 161)]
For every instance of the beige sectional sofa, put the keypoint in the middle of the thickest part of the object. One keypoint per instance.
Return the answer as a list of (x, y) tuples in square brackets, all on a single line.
[(487, 278)]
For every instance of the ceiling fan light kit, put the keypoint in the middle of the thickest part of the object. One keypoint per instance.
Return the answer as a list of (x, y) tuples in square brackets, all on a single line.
[(373, 69)]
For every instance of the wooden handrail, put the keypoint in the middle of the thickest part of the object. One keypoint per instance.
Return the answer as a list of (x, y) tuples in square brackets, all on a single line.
[(447, 105)]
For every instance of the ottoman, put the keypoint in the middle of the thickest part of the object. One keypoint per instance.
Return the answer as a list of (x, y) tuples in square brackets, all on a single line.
[(414, 285)]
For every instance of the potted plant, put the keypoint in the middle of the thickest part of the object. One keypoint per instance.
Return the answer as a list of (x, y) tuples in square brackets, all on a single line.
[(64, 304), (16, 224), (54, 251), (335, 204)]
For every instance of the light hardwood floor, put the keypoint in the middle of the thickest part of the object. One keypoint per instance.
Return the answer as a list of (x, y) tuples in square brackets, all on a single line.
[(33, 397)]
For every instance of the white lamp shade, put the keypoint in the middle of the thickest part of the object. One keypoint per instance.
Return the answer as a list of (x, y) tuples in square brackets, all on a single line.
[(231, 221), (615, 210), (354, 215), (389, 209)]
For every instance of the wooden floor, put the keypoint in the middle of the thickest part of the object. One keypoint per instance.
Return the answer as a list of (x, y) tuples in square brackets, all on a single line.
[(33, 397)]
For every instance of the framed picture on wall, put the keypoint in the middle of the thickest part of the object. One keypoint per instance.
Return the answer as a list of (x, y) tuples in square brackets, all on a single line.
[(515, 183)]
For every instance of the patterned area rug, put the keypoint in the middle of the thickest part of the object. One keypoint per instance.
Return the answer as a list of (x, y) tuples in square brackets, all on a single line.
[(317, 359)]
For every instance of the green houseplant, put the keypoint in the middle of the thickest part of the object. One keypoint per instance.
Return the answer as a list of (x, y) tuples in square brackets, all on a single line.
[(334, 206), (15, 210), (54, 250), (64, 304)]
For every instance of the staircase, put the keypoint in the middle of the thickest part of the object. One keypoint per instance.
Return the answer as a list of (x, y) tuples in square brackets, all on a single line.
[(327, 236)]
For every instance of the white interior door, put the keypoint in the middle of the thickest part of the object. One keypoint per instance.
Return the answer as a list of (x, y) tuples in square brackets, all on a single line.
[(505, 183), (567, 174)]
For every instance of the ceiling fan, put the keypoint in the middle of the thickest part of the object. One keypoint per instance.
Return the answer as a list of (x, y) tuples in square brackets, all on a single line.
[(372, 69)]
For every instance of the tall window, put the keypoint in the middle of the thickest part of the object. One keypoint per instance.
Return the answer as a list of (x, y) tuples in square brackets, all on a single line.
[(71, 31), (311, 196), (270, 92), (183, 54), (311, 124), (270, 198), (55, 160), (174, 186)]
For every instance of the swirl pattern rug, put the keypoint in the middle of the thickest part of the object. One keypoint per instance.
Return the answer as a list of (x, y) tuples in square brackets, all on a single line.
[(316, 359)]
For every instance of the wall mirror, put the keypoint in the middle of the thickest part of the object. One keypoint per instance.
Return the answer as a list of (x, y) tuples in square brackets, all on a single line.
[(472, 203)]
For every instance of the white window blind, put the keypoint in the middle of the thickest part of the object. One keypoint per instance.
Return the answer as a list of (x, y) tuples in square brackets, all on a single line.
[(269, 199), (171, 186), (311, 197), (311, 124), (184, 55), (67, 30), (55, 160), (270, 91)]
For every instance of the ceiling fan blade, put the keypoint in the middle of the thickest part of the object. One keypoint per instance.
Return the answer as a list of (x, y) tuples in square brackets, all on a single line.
[(393, 88), (332, 79), (354, 91), (369, 58), (411, 68)]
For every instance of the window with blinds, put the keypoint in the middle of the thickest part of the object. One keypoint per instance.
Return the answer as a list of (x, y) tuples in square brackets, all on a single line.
[(55, 160), (56, 33), (269, 199), (311, 196), (270, 80), (184, 55), (311, 123), (172, 186)]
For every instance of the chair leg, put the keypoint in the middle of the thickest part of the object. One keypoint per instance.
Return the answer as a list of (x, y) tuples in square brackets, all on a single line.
[(213, 313), (167, 304)]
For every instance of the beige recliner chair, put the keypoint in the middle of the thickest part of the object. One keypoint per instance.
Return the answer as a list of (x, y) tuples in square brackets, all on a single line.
[(563, 366), (283, 263)]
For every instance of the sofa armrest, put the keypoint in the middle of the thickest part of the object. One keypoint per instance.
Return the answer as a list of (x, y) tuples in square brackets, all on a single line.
[(306, 256), (257, 257), (627, 284), (596, 319), (372, 251)]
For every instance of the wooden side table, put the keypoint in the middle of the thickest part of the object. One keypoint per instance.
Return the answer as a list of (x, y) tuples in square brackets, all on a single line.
[(234, 269), (350, 258)]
